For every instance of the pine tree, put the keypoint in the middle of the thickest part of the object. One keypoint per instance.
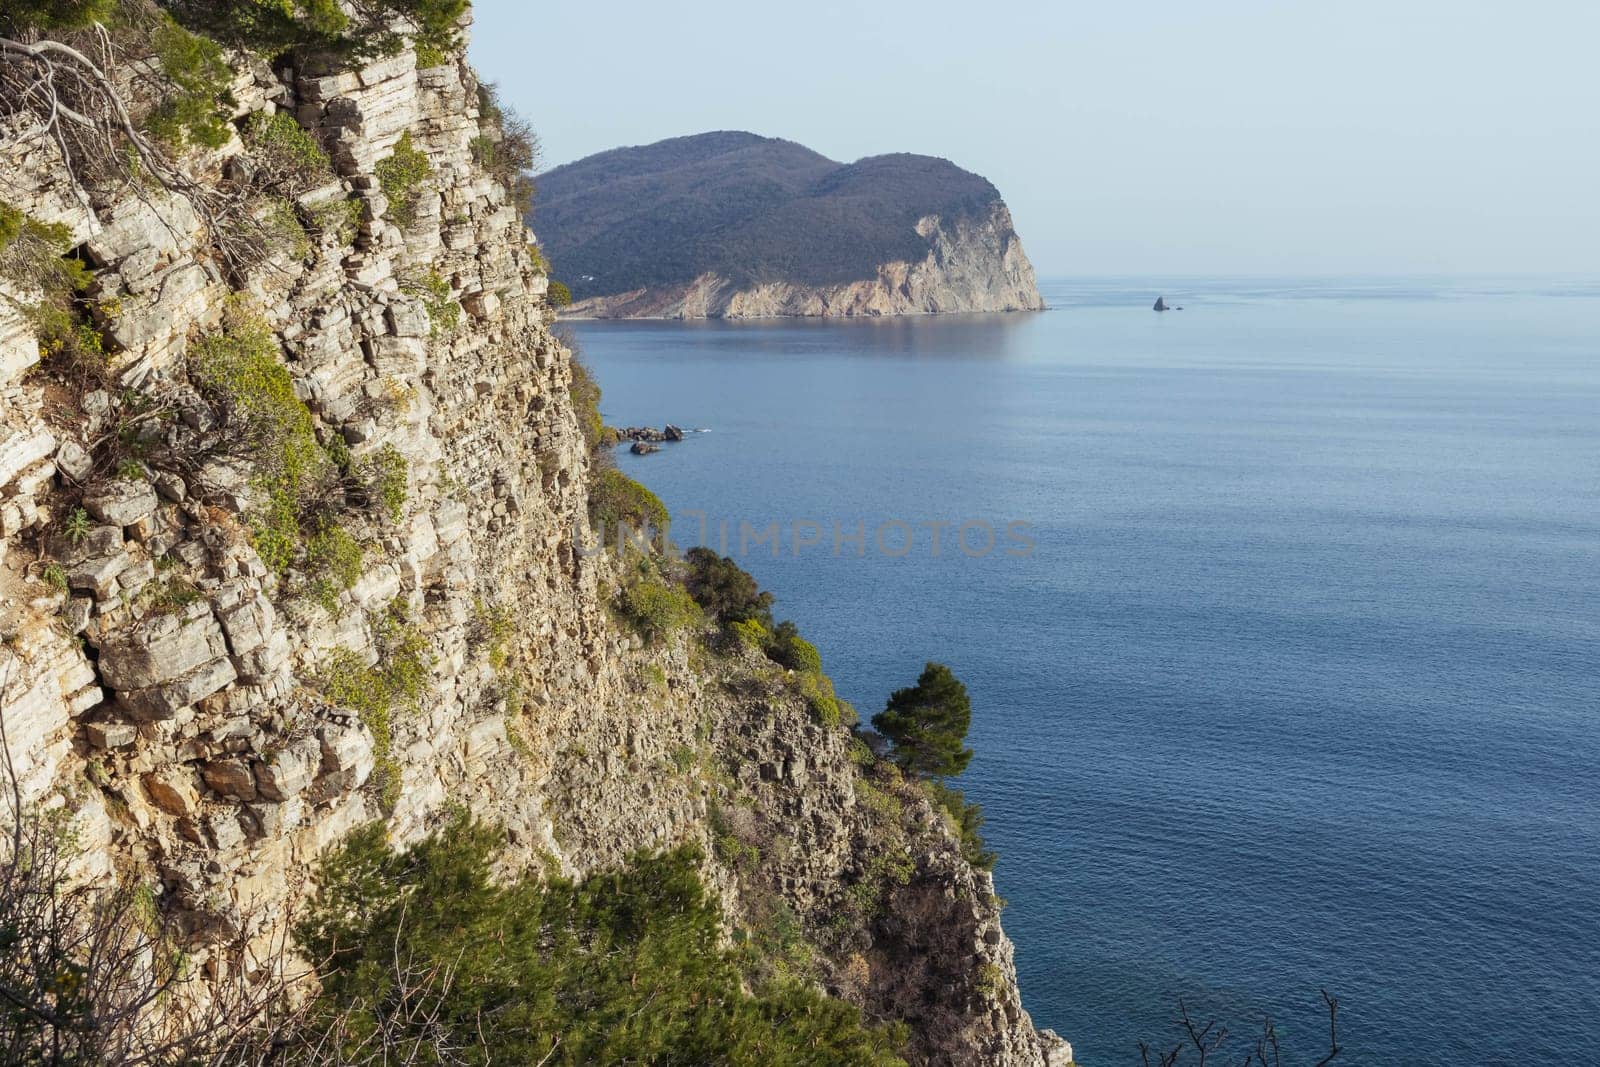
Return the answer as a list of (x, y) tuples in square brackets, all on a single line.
[(927, 723)]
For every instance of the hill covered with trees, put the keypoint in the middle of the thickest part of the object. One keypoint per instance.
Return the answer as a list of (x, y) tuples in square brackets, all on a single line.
[(755, 211)]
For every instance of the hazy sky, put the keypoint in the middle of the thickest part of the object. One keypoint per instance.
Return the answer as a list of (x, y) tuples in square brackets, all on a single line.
[(1229, 136)]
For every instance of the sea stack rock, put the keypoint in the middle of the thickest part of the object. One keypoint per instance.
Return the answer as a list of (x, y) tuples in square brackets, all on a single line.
[(1161, 303)]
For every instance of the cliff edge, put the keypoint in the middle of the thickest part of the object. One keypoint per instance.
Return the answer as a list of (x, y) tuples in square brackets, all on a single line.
[(221, 669)]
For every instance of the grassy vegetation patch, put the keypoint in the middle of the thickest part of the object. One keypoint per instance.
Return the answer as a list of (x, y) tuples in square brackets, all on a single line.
[(656, 609), (625, 967), (616, 500), (49, 284), (378, 692), (285, 156), (238, 369), (400, 176), (444, 314)]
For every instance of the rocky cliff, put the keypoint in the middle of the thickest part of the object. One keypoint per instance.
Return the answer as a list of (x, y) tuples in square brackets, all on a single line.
[(732, 225), (195, 701), (972, 265)]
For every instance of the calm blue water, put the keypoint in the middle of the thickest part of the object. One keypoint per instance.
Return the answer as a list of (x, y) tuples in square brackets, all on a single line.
[(1299, 687)]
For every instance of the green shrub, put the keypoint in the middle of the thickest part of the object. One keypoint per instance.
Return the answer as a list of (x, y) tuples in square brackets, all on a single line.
[(724, 589), (430, 55), (20, 16), (444, 314), (928, 724), (286, 157), (400, 177), (377, 693), (495, 627), (76, 526), (730, 848), (818, 690), (55, 576), (333, 565), (34, 259), (347, 681), (482, 148), (341, 219), (616, 500), (657, 609), (238, 370), (356, 33), (507, 147), (384, 481), (626, 967), (558, 294), (752, 633), (991, 981), (864, 899), (280, 224), (585, 395), (793, 651), (197, 102), (168, 595), (965, 821), (406, 660)]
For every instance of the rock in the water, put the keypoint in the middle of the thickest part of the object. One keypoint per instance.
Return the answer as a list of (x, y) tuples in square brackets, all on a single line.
[(1161, 304), (672, 433), (644, 448)]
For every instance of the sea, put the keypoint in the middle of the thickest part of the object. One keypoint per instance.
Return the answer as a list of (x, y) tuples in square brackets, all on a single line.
[(1280, 615)]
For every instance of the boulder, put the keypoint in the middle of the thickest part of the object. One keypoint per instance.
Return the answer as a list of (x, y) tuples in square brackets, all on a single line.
[(643, 448), (97, 576), (21, 449), (160, 649), (107, 735), (73, 461), (99, 542), (290, 770), (230, 778), (347, 753), (172, 792), (165, 701), (145, 222), (1057, 1052), (76, 613), (122, 502), (248, 625), (224, 830)]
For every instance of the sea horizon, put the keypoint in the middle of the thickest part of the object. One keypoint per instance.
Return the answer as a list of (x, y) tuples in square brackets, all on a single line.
[(1292, 694)]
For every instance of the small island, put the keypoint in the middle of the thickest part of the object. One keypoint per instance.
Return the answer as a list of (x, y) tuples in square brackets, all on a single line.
[(733, 225)]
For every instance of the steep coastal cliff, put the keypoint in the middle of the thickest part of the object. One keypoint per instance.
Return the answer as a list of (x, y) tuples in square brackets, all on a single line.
[(731, 225), (218, 695)]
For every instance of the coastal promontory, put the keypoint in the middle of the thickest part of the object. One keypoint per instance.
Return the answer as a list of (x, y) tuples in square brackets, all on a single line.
[(733, 225)]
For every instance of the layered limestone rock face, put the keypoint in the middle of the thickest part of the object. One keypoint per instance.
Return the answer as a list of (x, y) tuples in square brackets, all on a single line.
[(973, 265), (162, 682)]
